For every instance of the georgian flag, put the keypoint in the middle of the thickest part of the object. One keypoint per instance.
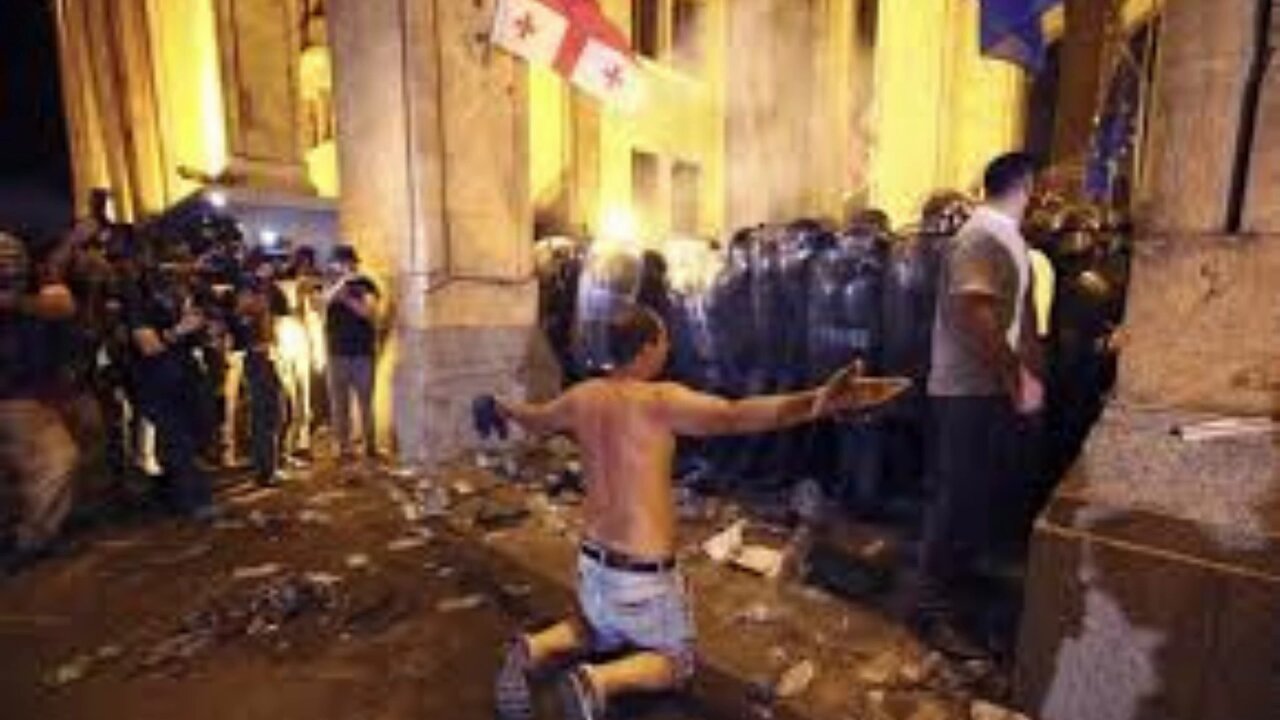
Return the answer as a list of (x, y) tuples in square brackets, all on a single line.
[(576, 39), (532, 29)]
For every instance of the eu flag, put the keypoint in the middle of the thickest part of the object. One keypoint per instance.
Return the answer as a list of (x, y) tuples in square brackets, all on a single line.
[(1011, 31)]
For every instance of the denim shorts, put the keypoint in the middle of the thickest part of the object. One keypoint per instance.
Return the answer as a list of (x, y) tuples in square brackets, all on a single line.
[(628, 610)]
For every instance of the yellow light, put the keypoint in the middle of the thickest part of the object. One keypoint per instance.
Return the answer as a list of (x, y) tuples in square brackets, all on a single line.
[(618, 226), (292, 342)]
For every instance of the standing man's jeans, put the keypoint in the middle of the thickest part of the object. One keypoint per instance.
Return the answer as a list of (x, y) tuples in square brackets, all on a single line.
[(264, 413), (971, 491), (37, 447), (352, 375), (178, 441)]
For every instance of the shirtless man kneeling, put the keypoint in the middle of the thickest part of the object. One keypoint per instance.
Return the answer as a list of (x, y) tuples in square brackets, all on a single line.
[(631, 596)]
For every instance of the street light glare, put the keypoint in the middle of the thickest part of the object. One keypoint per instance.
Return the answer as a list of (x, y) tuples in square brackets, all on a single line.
[(217, 199)]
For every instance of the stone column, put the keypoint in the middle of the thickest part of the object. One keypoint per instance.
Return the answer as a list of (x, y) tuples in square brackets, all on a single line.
[(1205, 53), (1262, 203), (1153, 586), (433, 154)]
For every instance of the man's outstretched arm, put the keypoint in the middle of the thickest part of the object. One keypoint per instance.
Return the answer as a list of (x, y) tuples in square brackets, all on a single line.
[(696, 414), (548, 417)]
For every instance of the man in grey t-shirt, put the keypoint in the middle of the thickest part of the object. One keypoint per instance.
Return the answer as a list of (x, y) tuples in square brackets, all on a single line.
[(983, 375)]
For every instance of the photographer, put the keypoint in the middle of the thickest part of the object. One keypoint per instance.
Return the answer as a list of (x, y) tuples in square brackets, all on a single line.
[(258, 302), (350, 325), (165, 326), (35, 444)]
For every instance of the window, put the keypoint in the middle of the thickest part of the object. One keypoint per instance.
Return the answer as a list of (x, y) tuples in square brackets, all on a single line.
[(686, 23), (645, 27), (644, 187), (686, 179)]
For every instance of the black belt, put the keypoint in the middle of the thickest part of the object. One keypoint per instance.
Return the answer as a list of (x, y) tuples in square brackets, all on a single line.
[(627, 563)]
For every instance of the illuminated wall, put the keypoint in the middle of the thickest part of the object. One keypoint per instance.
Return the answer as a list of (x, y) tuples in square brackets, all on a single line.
[(942, 110), (679, 120), (189, 90)]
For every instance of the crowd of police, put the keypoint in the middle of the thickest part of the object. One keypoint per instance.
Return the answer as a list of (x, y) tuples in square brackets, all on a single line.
[(162, 356), (783, 306)]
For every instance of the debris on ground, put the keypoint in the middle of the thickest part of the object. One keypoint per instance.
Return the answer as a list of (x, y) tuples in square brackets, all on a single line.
[(412, 542), (459, 604), (314, 517), (69, 672), (464, 488), (271, 524), (357, 561), (758, 614), (722, 546), (325, 498), (796, 679), (758, 559), (256, 572), (517, 590)]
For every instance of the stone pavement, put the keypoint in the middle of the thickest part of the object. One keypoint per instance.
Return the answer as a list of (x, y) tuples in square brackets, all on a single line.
[(767, 647), (387, 593)]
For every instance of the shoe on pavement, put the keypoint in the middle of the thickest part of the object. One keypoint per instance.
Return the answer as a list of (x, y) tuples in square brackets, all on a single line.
[(512, 697)]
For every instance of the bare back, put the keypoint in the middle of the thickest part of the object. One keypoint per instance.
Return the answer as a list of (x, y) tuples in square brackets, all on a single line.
[(627, 453)]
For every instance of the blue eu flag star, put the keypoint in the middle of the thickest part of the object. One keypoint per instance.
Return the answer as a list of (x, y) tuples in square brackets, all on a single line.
[(1011, 31)]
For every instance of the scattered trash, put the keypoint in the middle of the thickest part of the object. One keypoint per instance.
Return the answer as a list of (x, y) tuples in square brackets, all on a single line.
[(109, 652), (724, 545), (405, 472), (758, 614), (464, 488), (759, 560), (880, 671), (407, 543), (69, 672), (256, 572), (357, 561), (323, 578), (270, 524), (459, 604), (326, 498), (517, 590), (796, 680), (314, 517), (434, 500)]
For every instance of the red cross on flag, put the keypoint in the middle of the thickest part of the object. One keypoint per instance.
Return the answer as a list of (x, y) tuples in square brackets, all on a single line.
[(575, 38)]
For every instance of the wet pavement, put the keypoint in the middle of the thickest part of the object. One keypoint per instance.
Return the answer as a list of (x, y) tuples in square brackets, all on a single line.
[(379, 593)]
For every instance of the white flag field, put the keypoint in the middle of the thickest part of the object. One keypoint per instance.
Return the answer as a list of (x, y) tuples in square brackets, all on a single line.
[(575, 39)]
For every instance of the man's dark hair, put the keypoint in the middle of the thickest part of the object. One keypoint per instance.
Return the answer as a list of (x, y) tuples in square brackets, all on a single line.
[(1006, 172), (345, 254), (630, 330)]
